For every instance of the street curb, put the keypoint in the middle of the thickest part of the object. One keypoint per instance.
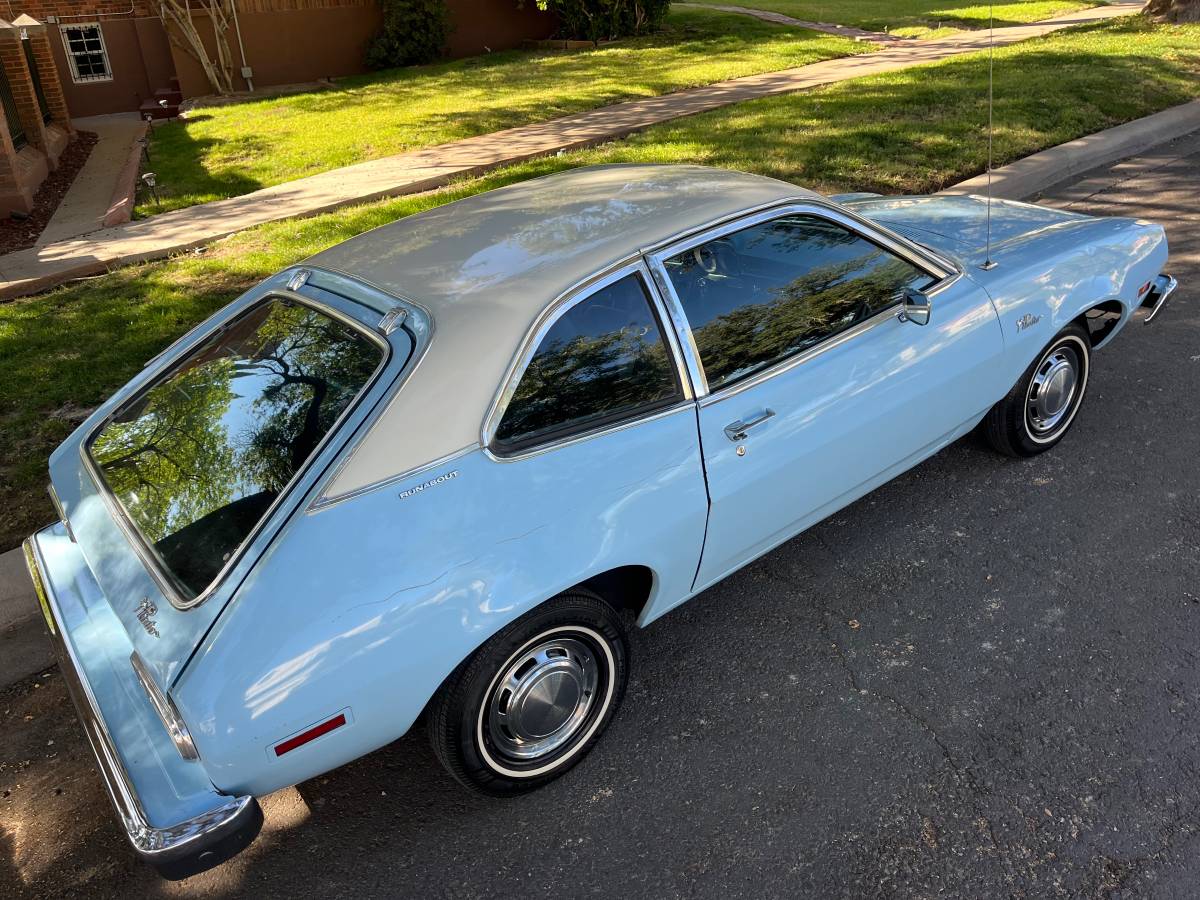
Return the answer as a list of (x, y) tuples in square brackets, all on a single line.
[(1033, 174), (24, 646)]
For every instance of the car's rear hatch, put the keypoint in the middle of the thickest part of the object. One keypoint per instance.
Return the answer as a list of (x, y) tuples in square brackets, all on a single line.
[(174, 487)]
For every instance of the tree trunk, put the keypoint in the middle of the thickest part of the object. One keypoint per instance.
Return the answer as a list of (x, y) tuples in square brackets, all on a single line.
[(1173, 10), (176, 13)]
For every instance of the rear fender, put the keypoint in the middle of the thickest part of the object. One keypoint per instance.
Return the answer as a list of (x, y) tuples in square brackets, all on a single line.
[(363, 608)]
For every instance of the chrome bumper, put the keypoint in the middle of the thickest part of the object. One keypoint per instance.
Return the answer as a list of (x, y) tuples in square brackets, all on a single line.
[(200, 841), (1159, 294)]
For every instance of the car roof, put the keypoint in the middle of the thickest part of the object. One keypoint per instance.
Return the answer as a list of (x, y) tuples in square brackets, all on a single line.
[(487, 267)]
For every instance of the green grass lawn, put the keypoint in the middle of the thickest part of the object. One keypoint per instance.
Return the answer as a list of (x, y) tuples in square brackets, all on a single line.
[(226, 151), (62, 353), (913, 18)]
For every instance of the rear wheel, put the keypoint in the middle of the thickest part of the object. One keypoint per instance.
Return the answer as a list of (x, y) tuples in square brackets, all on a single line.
[(1037, 412), (531, 702)]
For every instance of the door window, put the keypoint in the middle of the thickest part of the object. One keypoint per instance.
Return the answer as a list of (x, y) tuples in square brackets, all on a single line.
[(602, 361), (760, 295)]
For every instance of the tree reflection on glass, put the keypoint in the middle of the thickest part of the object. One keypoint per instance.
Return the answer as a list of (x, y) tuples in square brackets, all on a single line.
[(605, 357), (778, 288), (198, 458)]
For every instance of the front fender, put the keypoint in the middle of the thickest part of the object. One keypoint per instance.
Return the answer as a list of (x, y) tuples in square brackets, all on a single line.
[(1044, 281)]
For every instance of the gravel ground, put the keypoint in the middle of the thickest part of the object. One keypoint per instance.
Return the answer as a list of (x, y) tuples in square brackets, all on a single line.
[(981, 680)]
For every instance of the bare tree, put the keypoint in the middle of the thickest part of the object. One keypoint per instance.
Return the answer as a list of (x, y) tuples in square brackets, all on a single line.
[(1173, 10), (181, 28)]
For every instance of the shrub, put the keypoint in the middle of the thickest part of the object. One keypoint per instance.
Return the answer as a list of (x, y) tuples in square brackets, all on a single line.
[(414, 32), (598, 20)]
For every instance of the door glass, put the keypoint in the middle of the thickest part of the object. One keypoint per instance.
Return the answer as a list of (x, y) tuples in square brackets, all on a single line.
[(603, 360), (762, 294)]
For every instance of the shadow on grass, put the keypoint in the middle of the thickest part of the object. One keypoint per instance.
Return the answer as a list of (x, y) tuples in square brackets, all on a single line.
[(179, 160), (394, 111), (921, 130)]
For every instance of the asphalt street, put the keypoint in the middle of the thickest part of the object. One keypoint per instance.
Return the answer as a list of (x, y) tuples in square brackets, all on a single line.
[(981, 680)]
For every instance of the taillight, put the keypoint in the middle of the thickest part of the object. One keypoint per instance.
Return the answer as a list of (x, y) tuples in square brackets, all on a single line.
[(166, 710)]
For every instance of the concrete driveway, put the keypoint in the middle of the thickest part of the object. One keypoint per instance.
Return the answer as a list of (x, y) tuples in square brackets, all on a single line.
[(981, 680)]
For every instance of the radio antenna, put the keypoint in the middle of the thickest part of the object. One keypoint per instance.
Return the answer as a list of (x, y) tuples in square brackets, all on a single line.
[(988, 262)]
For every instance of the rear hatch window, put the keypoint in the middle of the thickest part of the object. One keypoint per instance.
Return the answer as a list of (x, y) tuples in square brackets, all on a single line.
[(197, 459)]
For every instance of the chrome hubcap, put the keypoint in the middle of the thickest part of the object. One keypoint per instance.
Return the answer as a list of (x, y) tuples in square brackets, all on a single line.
[(1052, 390), (542, 698)]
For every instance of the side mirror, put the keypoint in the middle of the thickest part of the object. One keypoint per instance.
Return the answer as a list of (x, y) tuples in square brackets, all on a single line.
[(916, 307)]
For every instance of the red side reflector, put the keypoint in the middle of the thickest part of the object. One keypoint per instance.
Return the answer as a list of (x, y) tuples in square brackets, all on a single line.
[(312, 734), (1145, 287)]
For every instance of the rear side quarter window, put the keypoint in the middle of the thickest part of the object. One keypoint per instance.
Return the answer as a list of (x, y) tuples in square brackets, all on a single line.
[(602, 362), (196, 460)]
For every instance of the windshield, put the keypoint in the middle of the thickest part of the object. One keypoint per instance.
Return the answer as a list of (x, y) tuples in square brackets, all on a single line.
[(197, 459)]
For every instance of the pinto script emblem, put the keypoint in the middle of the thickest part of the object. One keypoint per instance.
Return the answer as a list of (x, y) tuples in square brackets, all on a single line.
[(145, 614), (1027, 321)]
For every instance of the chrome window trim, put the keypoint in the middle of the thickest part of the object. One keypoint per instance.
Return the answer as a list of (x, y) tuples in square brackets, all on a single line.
[(935, 266), (683, 337), (567, 300), (867, 228), (688, 404), (133, 534)]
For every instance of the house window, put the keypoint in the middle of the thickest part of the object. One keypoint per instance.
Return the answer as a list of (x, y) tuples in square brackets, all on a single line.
[(86, 53)]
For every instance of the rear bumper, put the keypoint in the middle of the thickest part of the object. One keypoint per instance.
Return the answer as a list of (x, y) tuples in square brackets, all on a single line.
[(173, 816), (1164, 286)]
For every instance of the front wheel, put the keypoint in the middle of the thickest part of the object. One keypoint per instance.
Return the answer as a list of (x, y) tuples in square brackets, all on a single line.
[(1037, 412), (531, 702)]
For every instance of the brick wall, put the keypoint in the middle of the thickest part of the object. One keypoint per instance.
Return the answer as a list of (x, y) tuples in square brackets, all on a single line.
[(80, 10), (21, 172), (43, 56), (16, 69)]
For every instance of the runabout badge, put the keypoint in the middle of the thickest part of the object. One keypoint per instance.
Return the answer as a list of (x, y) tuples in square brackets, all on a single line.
[(432, 482)]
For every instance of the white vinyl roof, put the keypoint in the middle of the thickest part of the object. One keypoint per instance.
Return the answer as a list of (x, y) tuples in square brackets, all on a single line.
[(487, 266)]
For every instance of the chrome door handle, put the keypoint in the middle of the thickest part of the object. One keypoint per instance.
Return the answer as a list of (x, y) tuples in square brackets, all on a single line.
[(736, 431)]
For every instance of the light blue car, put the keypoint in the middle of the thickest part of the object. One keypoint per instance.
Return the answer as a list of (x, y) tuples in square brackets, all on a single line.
[(435, 470)]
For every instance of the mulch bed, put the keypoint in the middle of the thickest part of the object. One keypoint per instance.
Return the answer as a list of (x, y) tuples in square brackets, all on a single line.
[(19, 234)]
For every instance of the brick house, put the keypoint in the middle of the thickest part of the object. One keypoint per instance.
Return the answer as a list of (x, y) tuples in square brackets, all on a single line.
[(36, 126), (115, 55)]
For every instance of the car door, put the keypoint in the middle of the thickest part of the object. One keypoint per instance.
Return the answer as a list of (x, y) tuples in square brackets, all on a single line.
[(812, 389)]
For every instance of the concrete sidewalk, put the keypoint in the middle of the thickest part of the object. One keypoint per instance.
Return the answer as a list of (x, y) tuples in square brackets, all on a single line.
[(846, 31), (40, 268), (87, 201)]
